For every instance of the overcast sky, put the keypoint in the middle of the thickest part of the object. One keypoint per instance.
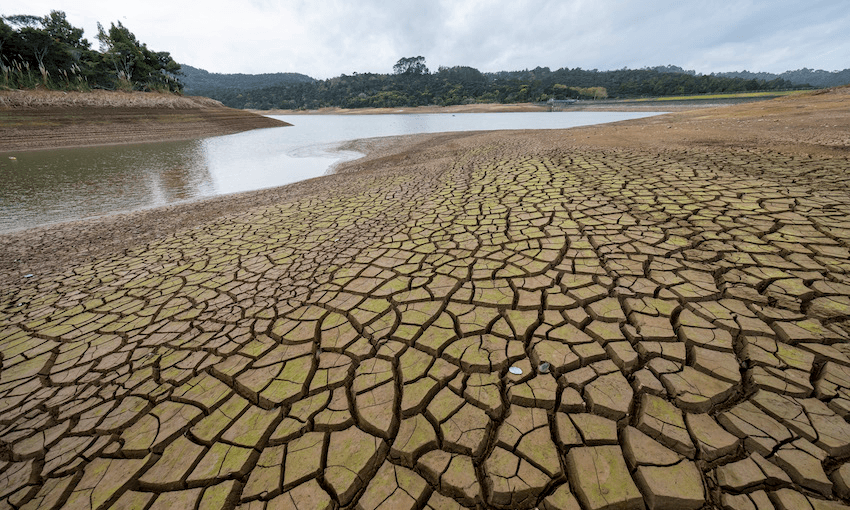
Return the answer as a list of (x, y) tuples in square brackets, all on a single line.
[(326, 38)]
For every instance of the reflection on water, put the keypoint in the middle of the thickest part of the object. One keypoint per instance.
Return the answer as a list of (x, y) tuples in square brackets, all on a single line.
[(49, 186), (42, 187)]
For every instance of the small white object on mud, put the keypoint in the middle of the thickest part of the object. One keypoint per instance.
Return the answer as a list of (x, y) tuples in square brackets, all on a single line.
[(515, 370)]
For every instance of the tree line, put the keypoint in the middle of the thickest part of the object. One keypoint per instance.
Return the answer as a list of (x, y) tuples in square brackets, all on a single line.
[(816, 78), (412, 84), (49, 52)]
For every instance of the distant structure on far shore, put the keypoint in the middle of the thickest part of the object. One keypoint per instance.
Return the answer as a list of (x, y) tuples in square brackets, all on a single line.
[(557, 103)]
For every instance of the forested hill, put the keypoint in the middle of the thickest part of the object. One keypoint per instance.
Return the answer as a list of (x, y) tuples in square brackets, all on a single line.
[(412, 84), (815, 78), (195, 81)]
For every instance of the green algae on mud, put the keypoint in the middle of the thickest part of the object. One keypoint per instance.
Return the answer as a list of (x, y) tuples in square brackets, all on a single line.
[(384, 308)]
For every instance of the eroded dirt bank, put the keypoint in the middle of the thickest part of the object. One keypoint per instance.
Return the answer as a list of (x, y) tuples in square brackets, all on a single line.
[(31, 120), (654, 314)]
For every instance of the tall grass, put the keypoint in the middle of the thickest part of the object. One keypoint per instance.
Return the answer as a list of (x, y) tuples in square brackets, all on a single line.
[(20, 76), (124, 83)]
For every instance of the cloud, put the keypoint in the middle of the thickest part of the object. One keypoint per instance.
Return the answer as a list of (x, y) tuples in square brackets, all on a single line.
[(325, 39)]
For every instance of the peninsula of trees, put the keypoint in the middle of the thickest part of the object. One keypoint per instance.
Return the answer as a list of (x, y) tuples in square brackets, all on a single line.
[(49, 52)]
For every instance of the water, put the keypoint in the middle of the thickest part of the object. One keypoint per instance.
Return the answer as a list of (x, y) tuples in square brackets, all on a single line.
[(42, 187)]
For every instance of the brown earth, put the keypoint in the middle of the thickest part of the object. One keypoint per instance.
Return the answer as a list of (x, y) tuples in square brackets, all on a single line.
[(31, 120), (674, 292), (816, 124)]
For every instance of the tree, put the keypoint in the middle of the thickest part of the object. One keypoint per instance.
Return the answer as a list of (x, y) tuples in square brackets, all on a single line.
[(37, 42), (121, 48), (23, 20), (411, 65), (60, 30), (29, 39), (135, 65), (68, 47), (49, 44), (7, 38), (463, 74)]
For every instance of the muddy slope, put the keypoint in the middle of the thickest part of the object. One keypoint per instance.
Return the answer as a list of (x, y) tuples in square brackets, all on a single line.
[(32, 120)]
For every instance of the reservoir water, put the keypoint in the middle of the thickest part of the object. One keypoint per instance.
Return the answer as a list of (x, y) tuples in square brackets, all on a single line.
[(42, 187)]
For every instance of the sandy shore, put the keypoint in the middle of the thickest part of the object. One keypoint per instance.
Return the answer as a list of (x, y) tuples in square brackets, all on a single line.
[(32, 120)]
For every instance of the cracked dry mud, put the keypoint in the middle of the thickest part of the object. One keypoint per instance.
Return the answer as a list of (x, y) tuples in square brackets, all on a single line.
[(351, 348)]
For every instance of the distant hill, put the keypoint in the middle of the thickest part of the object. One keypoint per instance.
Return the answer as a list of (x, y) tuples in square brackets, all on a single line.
[(465, 85), (199, 82), (816, 78)]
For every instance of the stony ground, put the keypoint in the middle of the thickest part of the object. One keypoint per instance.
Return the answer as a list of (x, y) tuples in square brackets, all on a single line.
[(502, 320)]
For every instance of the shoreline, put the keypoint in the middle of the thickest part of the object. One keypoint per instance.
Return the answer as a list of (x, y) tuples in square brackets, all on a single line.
[(671, 104), (24, 216), (496, 108), (50, 249), (47, 250)]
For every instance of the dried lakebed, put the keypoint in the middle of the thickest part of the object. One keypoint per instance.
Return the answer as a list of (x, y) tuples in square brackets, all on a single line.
[(59, 185), (352, 347)]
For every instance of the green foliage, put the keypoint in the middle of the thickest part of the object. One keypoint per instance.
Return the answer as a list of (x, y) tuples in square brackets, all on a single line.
[(49, 52), (465, 85), (411, 66), (135, 65), (195, 79), (815, 78)]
